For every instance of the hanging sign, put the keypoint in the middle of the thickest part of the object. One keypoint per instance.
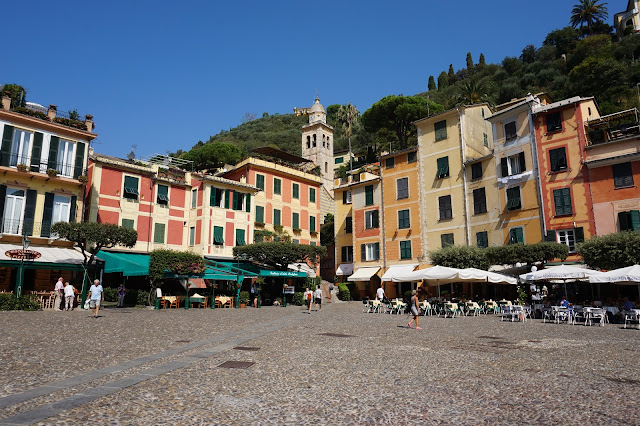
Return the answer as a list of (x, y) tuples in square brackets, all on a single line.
[(22, 254)]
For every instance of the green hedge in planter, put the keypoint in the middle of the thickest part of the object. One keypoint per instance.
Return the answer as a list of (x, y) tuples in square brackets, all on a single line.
[(28, 302), (298, 298), (343, 292)]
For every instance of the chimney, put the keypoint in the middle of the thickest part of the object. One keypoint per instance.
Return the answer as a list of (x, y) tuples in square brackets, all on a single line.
[(88, 120), (52, 112), (6, 102)]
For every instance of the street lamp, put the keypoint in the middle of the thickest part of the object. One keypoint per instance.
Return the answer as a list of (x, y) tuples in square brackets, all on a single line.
[(26, 242), (242, 256)]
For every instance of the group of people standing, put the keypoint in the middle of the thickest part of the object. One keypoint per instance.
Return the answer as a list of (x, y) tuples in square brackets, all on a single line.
[(67, 292), (63, 292), (311, 296)]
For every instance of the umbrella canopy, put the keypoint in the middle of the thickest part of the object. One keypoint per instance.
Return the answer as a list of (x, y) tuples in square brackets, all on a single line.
[(478, 275), (561, 272), (624, 276), (435, 275)]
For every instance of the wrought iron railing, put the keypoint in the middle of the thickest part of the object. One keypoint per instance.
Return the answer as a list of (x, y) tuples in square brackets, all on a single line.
[(623, 131), (26, 227), (25, 163)]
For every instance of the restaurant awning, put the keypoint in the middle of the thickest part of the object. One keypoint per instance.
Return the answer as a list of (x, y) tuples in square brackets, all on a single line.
[(50, 257), (128, 264), (364, 274), (345, 269), (249, 270), (397, 270)]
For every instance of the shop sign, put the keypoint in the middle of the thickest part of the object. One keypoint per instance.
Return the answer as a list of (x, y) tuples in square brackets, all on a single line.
[(22, 254)]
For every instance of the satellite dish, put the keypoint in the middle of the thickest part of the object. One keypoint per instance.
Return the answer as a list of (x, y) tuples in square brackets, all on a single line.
[(132, 155)]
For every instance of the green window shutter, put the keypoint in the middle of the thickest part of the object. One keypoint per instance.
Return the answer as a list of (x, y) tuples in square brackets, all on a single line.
[(476, 170), (227, 197), (260, 181), (79, 164), (482, 239), (363, 252), (163, 194), (260, 214), (523, 166), (127, 223), (405, 250), (248, 201), (624, 221), (513, 198), (47, 215), (5, 148), (375, 219), (240, 237), (635, 220), (295, 219), (276, 217), (296, 190), (348, 225), (368, 192), (579, 233), (277, 186), (412, 157), (443, 167), (440, 130), (504, 167), (404, 220), (562, 201), (622, 175), (312, 223), (312, 195), (3, 195), (158, 233), (390, 163), (234, 205), (344, 197), (568, 208), (218, 235), (131, 187), (551, 237), (53, 153), (36, 152), (212, 197), (29, 212), (376, 251), (519, 234), (553, 159), (72, 210)]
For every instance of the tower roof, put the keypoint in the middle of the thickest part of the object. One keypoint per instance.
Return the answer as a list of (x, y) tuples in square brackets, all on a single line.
[(317, 106)]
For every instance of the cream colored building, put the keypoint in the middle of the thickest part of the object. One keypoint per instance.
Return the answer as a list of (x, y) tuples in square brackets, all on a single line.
[(630, 18)]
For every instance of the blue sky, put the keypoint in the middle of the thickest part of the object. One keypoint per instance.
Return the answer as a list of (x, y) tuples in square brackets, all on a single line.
[(163, 75)]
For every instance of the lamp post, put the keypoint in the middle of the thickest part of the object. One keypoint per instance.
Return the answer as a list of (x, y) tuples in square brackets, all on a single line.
[(26, 242), (239, 278)]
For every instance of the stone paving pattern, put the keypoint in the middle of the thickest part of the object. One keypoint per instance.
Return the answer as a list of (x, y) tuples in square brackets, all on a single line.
[(466, 370)]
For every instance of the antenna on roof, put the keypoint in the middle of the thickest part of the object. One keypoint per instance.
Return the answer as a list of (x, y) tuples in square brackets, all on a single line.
[(132, 155)]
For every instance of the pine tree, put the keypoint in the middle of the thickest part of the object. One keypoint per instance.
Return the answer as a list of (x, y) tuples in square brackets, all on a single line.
[(469, 61), (443, 80), (452, 74), (432, 83), (481, 61)]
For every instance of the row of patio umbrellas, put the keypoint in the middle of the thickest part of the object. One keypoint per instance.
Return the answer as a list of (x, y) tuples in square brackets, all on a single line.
[(628, 275), (437, 275)]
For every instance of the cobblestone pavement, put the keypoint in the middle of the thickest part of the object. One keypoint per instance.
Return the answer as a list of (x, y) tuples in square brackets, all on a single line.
[(137, 366)]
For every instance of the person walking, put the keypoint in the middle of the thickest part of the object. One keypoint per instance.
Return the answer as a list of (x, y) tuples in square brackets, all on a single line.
[(69, 295), (254, 294), (380, 296), (415, 310), (121, 292), (96, 297), (58, 294), (319, 298), (330, 292), (308, 298)]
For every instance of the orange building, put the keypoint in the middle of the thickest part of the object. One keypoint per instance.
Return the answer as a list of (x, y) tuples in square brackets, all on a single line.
[(567, 211), (612, 156)]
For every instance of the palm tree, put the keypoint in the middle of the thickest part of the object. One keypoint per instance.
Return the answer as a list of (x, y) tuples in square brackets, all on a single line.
[(473, 92), (348, 114), (588, 12)]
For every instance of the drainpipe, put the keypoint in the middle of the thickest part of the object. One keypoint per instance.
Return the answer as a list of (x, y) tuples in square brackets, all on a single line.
[(463, 156), (536, 170), (384, 239)]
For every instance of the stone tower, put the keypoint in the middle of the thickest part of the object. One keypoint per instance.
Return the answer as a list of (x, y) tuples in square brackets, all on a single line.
[(317, 142)]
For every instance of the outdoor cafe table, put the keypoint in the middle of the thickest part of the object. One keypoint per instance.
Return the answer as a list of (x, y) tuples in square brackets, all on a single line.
[(224, 299), (613, 309), (556, 313), (196, 298)]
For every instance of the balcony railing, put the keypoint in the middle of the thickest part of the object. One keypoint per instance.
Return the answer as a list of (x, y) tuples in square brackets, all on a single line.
[(27, 228), (25, 163), (613, 127)]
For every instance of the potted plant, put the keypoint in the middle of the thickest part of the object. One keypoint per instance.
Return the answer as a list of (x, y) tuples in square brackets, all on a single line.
[(22, 167), (52, 172), (83, 179), (244, 298)]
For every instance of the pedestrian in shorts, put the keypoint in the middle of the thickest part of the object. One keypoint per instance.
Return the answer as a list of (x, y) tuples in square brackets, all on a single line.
[(318, 298), (96, 297)]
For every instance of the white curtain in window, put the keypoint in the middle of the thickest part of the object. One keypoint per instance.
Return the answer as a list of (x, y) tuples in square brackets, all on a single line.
[(13, 211), (61, 209), (65, 157), (20, 148)]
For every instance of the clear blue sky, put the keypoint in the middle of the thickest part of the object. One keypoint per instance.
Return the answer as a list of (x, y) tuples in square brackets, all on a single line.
[(163, 75)]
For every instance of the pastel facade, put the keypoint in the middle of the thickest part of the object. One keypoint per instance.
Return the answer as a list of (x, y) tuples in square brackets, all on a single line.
[(629, 20), (567, 208), (343, 229), (612, 156)]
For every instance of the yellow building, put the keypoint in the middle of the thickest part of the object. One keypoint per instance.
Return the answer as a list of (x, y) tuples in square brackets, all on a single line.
[(343, 228), (517, 170), (451, 146), (627, 22), (43, 159)]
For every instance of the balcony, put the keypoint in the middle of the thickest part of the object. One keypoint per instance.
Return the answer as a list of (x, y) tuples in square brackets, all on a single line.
[(51, 114), (615, 127), (24, 163), (29, 228)]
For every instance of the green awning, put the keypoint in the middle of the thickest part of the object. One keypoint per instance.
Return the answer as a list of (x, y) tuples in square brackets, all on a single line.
[(250, 270), (216, 274), (271, 273), (128, 264)]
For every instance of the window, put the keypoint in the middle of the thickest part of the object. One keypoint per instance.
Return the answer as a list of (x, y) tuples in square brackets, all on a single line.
[(405, 249), (404, 221), (443, 167), (314, 139), (479, 201), (130, 187), (64, 159), (326, 167), (402, 187), (295, 241), (277, 186), (163, 195), (216, 198), (260, 181), (347, 254), (276, 217), (554, 122), (240, 237), (295, 192), (390, 163), (13, 211), (308, 141), (446, 240), (348, 225), (412, 157), (218, 235), (194, 198), (440, 129), (567, 237), (368, 195), (260, 214), (370, 252), (312, 195), (513, 165), (258, 236), (295, 220), (516, 235), (192, 236), (482, 239), (128, 223), (61, 209), (485, 140), (346, 197), (622, 175), (238, 201), (629, 221), (158, 233), (513, 198), (312, 223), (444, 203), (557, 159), (562, 201), (510, 131), (371, 219), (20, 147), (476, 170), (339, 160)]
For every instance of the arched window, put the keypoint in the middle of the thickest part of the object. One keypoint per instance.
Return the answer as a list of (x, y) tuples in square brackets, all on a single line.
[(326, 167), (314, 140)]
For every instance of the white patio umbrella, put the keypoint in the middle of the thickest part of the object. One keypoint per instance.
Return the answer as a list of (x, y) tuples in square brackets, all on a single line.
[(486, 276), (434, 276), (629, 275), (562, 273)]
